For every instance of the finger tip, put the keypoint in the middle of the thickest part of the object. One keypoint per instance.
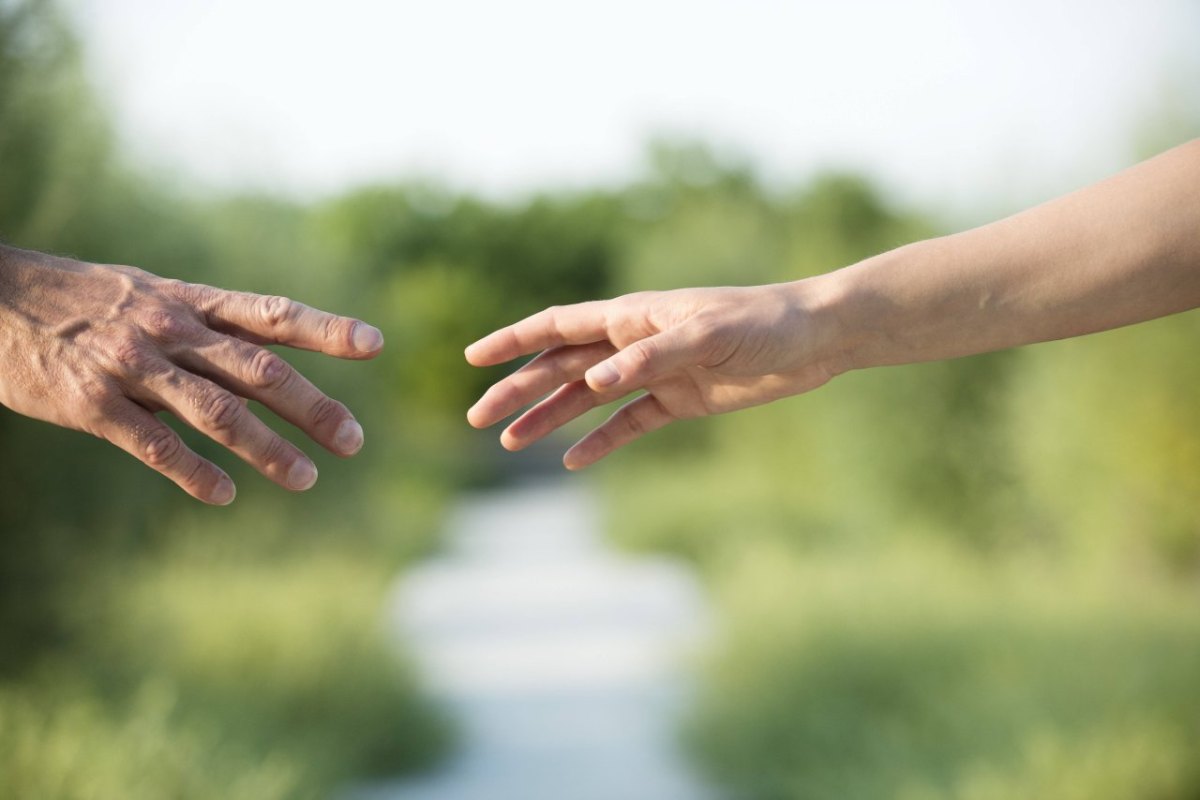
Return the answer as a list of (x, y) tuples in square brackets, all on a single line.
[(368, 340), (476, 418), (302, 476), (224, 492), (511, 442), (603, 377), (572, 460), (473, 353), (348, 440)]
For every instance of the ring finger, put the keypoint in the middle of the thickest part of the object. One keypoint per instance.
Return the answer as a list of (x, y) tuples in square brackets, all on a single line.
[(549, 370), (259, 374), (224, 418)]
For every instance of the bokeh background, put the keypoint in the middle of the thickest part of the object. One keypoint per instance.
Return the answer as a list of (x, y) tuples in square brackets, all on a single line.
[(975, 579)]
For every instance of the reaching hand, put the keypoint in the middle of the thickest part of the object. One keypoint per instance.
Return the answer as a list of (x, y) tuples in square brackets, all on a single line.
[(1121, 251), (102, 348), (693, 351)]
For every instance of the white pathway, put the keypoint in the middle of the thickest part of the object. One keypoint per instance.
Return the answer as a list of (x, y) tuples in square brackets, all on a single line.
[(560, 659)]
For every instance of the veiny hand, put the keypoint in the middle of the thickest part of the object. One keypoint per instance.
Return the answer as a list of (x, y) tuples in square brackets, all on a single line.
[(694, 352), (102, 348)]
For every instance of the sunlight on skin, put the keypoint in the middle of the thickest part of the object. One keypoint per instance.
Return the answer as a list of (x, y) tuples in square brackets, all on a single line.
[(102, 349), (1121, 251)]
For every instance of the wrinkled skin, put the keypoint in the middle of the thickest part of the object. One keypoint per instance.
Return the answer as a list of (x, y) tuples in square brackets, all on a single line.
[(103, 349)]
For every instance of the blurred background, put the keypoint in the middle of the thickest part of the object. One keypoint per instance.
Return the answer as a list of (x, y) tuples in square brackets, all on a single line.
[(976, 579)]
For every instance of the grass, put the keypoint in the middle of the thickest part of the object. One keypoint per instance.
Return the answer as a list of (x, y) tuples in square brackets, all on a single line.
[(63, 741), (220, 665), (918, 672), (956, 581)]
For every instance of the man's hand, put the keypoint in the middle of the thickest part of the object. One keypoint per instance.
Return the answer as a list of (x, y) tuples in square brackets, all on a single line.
[(693, 351), (102, 348)]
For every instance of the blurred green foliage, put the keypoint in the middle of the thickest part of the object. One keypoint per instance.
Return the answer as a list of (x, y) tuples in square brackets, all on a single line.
[(151, 647), (972, 579), (921, 672)]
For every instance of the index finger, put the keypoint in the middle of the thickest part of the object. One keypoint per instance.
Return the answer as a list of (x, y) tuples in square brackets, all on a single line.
[(582, 323), (267, 319)]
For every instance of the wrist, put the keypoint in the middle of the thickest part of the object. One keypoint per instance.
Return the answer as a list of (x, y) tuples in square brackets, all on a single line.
[(863, 314), (840, 332)]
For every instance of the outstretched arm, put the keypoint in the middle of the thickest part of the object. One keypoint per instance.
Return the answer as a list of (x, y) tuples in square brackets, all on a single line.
[(102, 348), (1121, 251)]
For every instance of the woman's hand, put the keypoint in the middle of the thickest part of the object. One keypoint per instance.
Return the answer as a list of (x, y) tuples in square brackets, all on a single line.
[(102, 348), (1118, 252), (694, 352)]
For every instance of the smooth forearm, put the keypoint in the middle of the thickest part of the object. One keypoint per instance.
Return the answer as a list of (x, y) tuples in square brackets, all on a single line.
[(1115, 253)]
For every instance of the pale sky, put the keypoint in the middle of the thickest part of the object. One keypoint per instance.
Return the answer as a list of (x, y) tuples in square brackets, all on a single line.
[(948, 103)]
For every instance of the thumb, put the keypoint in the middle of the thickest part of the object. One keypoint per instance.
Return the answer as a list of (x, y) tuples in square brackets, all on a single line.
[(645, 361)]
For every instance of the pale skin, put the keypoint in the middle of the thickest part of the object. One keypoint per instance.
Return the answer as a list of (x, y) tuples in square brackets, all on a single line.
[(104, 349), (1118, 252)]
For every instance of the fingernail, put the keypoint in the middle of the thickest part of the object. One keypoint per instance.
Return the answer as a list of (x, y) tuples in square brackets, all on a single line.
[(224, 492), (349, 438), (367, 338), (602, 375), (302, 475)]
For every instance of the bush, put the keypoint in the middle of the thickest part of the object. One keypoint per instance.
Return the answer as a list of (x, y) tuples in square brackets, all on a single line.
[(921, 672)]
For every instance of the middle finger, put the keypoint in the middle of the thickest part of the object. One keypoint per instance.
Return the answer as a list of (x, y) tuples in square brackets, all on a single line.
[(570, 401), (224, 418), (549, 370), (260, 374)]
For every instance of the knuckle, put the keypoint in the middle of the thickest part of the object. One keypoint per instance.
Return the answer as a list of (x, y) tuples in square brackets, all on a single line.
[(206, 300), (161, 448), (276, 310), (267, 370), (131, 356), (553, 316), (635, 424), (166, 325), (277, 451), (193, 294), (642, 354), (338, 329), (98, 394), (325, 410), (634, 303), (176, 287), (103, 410), (601, 440), (509, 393), (198, 474), (219, 410)]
